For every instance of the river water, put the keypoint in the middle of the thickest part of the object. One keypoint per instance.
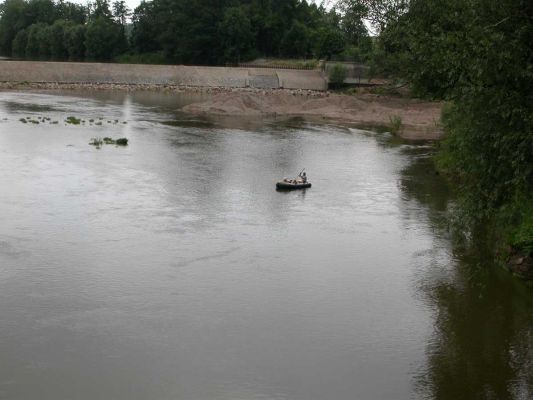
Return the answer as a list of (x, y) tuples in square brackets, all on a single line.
[(172, 269)]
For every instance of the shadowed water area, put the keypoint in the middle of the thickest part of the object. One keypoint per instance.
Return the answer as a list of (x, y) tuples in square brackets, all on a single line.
[(172, 269)]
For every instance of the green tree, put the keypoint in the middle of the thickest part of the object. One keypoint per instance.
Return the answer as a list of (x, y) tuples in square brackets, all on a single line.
[(19, 44), (380, 13), (103, 39), (329, 41), (144, 37), (12, 20), (296, 41), (40, 11), (100, 9), (236, 34), (121, 12), (38, 45), (73, 12), (58, 39), (75, 41)]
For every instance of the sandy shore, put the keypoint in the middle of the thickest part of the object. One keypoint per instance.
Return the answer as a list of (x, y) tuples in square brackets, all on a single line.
[(419, 119)]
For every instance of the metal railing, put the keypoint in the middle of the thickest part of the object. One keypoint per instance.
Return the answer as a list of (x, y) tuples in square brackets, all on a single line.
[(275, 66)]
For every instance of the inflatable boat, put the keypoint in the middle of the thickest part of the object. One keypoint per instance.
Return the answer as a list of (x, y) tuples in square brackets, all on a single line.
[(292, 185)]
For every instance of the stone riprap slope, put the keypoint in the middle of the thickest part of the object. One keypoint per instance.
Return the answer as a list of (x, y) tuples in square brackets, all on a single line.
[(177, 75)]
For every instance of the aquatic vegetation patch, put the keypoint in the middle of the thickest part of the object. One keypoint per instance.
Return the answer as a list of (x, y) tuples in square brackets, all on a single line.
[(27, 120), (73, 120), (99, 142), (17, 106), (70, 120)]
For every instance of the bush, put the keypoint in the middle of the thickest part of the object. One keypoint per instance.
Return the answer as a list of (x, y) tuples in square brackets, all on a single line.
[(145, 58), (337, 75), (522, 238), (395, 124)]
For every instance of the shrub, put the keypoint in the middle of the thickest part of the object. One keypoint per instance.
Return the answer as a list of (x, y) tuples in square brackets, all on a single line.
[(145, 58), (337, 75), (395, 124), (522, 238)]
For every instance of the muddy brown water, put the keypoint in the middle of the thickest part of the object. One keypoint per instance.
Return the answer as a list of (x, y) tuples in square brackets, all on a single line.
[(172, 269)]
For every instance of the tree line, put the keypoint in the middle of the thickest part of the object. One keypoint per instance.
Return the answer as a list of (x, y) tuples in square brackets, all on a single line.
[(204, 32), (42, 30)]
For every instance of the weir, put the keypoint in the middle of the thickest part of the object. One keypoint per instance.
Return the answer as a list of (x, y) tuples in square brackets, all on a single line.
[(178, 75)]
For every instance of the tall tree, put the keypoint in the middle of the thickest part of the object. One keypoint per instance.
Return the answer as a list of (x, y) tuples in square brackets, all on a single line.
[(75, 41), (121, 12), (236, 34), (103, 39), (12, 20)]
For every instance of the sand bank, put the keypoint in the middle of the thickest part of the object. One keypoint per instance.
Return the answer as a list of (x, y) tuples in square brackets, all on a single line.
[(419, 119)]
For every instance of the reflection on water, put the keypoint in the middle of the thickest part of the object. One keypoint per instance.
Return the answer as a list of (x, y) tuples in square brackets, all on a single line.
[(173, 269), (482, 345)]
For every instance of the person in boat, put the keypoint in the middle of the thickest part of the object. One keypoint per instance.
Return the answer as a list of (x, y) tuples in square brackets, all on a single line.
[(303, 177)]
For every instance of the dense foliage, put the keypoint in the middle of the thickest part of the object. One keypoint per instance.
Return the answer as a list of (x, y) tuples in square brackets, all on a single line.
[(180, 31), (43, 29), (478, 55), (228, 31)]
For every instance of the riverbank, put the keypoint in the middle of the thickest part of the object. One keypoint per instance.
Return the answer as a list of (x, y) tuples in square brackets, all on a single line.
[(407, 118), (521, 265)]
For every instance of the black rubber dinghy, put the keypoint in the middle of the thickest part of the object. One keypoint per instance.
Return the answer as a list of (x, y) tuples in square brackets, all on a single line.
[(292, 186)]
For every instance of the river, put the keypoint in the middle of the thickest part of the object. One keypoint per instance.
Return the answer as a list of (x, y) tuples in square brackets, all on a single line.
[(172, 269)]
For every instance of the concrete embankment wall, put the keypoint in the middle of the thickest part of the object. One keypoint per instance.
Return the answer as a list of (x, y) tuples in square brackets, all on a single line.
[(66, 72)]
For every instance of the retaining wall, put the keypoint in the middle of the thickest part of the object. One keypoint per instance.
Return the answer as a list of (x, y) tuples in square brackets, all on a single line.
[(67, 72)]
